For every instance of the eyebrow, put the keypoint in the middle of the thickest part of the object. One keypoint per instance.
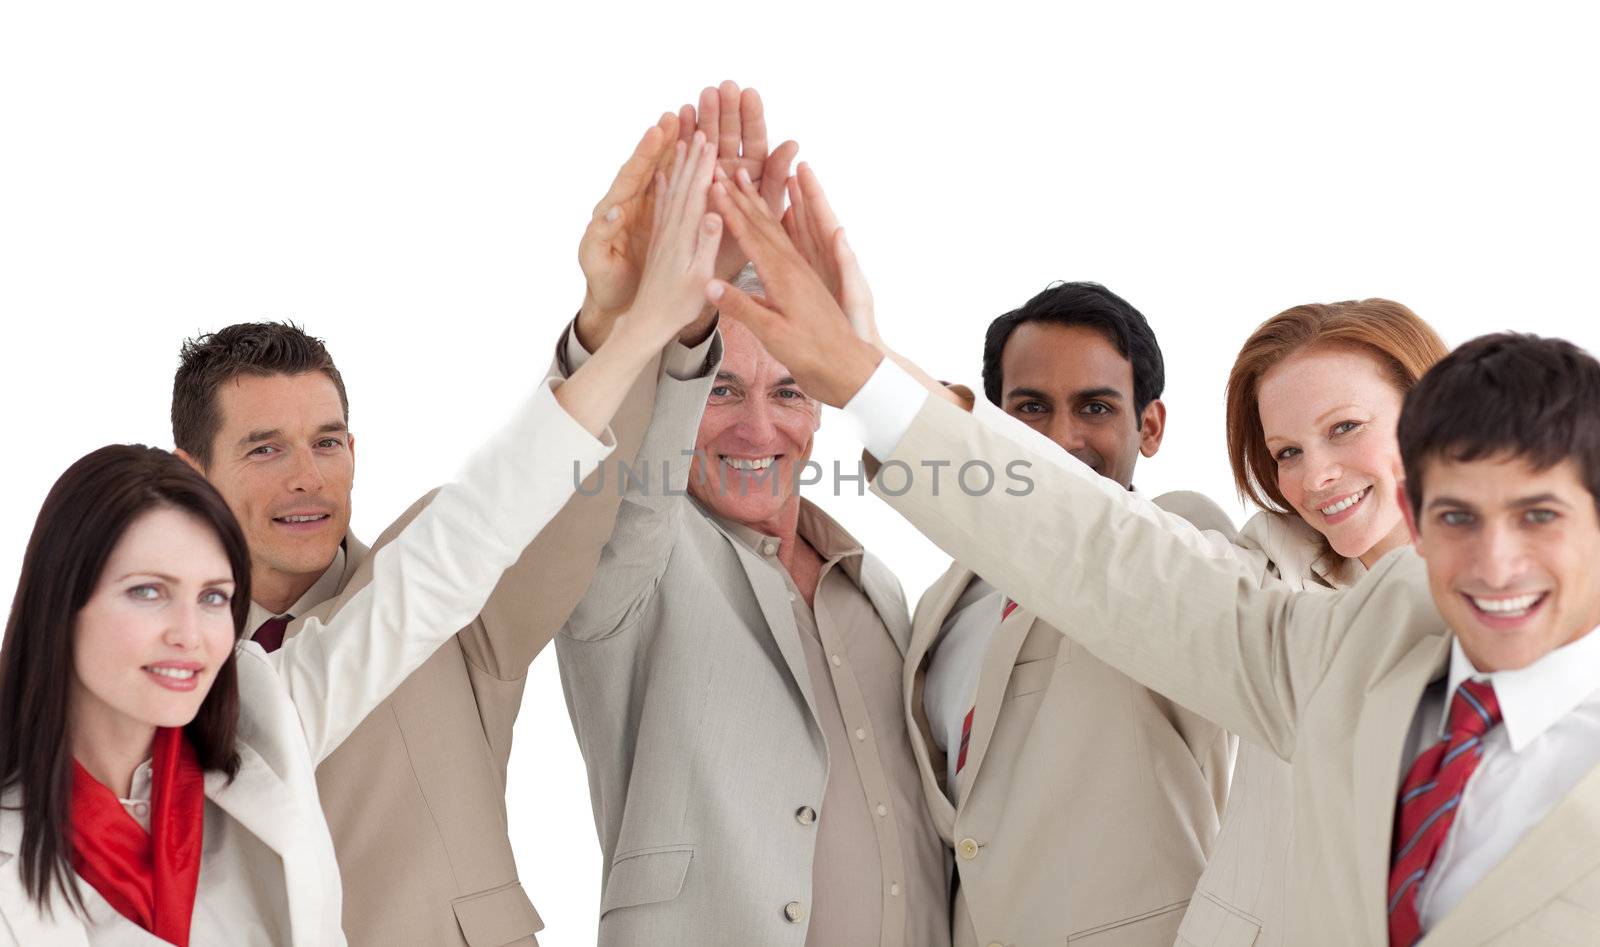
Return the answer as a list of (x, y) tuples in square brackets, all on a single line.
[(256, 437), (785, 381), (174, 579), (1538, 499), (1327, 415), (1034, 393), (1089, 394)]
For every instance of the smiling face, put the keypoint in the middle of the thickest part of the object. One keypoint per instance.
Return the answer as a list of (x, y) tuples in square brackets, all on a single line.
[(1329, 414), (155, 630), (1069, 383), (1512, 556), (285, 462), (754, 437)]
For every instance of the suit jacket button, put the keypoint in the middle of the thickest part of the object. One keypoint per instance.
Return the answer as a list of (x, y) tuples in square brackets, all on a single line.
[(967, 848), (794, 911), (805, 815)]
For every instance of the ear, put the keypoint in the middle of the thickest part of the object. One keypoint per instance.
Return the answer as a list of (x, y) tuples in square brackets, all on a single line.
[(350, 445), (1152, 426), (1403, 500), (191, 460)]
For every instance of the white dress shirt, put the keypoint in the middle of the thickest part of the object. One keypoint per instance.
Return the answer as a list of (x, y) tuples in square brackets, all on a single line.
[(950, 687), (1548, 740)]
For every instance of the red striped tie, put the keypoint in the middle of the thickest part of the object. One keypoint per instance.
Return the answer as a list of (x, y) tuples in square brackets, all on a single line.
[(270, 634), (1428, 801), (966, 725)]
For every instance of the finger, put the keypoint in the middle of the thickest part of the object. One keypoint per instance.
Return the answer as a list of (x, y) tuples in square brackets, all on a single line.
[(853, 280), (747, 187), (737, 304), (686, 122), (776, 172), (803, 236), (736, 219), (817, 202), (727, 138), (700, 181), (659, 210), (753, 126), (710, 112), (634, 174), (789, 225), (705, 249)]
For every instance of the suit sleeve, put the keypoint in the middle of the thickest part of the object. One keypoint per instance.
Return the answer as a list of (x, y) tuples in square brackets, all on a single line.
[(435, 575), (653, 501), (1184, 612)]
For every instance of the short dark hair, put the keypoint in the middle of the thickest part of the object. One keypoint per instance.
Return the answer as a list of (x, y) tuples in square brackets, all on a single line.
[(83, 517), (247, 348), (1505, 394), (1084, 304)]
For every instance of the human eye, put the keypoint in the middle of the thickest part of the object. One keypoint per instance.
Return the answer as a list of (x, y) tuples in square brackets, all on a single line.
[(1286, 454), (1456, 518), (1539, 517), (215, 597), (145, 592), (1344, 427), (262, 450), (1096, 409)]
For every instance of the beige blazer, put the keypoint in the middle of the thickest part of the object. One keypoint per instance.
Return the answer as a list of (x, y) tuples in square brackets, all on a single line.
[(415, 797), (298, 704), (1242, 895), (1088, 803), (1330, 681), (692, 703)]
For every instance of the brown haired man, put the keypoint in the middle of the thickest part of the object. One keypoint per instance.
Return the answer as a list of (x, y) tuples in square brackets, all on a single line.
[(415, 798)]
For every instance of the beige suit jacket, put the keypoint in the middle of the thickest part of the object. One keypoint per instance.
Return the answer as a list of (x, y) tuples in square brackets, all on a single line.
[(1088, 803), (415, 797), (1330, 681)]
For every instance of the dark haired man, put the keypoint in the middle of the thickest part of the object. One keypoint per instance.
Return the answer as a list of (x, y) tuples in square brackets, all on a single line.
[(1442, 715), (1052, 776), (415, 798)]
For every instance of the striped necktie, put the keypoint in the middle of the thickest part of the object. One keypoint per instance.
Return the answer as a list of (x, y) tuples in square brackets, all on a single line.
[(1428, 801), (966, 724)]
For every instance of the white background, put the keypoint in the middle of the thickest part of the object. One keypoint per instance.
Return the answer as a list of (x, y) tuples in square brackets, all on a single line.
[(409, 182)]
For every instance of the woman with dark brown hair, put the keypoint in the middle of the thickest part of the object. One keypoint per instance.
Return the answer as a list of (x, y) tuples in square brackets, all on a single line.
[(1312, 403), (157, 775)]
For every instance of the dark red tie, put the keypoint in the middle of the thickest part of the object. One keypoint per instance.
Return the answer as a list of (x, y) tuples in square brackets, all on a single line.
[(1428, 802), (966, 724), (270, 635)]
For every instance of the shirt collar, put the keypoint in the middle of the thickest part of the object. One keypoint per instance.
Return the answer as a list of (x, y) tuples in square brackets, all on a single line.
[(1533, 698), (326, 587), (825, 535)]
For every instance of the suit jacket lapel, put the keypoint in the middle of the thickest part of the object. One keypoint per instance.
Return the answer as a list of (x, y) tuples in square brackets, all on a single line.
[(992, 680), (926, 629), (883, 592), (1561, 849), (264, 805), (1380, 742)]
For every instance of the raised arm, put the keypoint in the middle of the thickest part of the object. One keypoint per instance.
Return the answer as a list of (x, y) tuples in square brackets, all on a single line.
[(438, 572)]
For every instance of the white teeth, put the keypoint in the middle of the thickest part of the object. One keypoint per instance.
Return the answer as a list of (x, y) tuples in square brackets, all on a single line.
[(1510, 607), (304, 519), (177, 674), (759, 464), (1344, 504)]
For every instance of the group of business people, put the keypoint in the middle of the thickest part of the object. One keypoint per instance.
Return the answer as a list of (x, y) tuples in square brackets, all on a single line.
[(1372, 716)]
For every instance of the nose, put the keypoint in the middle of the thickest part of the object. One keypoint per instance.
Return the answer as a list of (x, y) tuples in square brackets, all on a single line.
[(304, 474), (183, 628), (1498, 557), (755, 424), (1320, 471), (1065, 431)]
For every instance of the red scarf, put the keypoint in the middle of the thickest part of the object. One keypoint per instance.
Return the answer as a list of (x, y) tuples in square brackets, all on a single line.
[(150, 878)]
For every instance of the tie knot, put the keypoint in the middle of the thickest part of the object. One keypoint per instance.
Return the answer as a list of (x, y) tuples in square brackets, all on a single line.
[(1474, 709), (270, 635)]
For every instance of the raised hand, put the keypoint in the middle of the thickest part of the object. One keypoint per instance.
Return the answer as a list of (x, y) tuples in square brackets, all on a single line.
[(683, 244), (736, 120), (800, 321), (814, 229), (612, 251)]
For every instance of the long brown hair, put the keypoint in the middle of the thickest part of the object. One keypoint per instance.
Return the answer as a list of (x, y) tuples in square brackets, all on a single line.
[(83, 517), (1402, 343)]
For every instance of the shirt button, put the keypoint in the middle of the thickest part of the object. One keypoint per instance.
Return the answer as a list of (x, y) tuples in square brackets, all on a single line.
[(967, 848), (836, 660), (894, 890), (794, 911), (769, 547), (883, 809), (141, 808), (805, 815), (793, 596), (861, 734)]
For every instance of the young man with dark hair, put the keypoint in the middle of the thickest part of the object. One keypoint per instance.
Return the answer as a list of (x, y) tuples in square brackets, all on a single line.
[(1066, 773), (1442, 715)]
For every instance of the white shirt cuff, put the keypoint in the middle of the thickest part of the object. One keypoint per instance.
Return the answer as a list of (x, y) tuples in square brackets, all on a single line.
[(678, 360), (883, 410)]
